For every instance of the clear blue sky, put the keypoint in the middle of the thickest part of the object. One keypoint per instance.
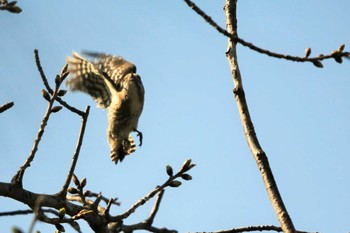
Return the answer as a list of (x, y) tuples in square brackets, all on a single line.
[(301, 113)]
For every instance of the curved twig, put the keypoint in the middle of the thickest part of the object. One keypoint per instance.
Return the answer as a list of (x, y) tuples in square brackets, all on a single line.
[(337, 54)]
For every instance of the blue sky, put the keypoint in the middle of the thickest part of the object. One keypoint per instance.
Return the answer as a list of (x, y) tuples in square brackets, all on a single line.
[(301, 113)]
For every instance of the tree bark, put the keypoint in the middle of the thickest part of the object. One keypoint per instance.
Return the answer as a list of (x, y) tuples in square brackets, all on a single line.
[(253, 143)]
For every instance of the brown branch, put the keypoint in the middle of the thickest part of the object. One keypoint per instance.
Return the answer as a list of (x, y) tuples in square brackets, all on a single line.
[(253, 228), (63, 191), (249, 131), (29, 198), (144, 226), (172, 182), (71, 108), (63, 75), (105, 199), (337, 54), (25, 212), (41, 71), (18, 178), (155, 208), (6, 106)]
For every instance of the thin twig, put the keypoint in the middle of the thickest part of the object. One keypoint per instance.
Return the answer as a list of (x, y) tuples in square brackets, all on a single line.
[(155, 208), (17, 179), (252, 228), (72, 109), (6, 106), (41, 71), (64, 74), (337, 54), (185, 168), (25, 212), (249, 131), (89, 193), (63, 191)]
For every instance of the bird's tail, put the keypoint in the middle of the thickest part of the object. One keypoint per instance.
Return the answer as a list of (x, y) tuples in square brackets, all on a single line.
[(125, 148)]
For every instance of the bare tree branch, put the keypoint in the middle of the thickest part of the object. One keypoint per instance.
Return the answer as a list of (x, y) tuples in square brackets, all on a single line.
[(337, 54), (89, 193), (249, 131), (63, 74), (41, 71), (172, 182), (253, 228), (63, 191), (155, 208), (17, 179), (6, 106)]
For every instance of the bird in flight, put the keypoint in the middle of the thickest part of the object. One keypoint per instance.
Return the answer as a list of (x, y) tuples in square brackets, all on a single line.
[(114, 84)]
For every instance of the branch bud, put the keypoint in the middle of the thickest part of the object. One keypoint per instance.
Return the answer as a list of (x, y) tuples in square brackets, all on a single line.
[(75, 225), (87, 192), (46, 95), (56, 109), (61, 213), (75, 180), (83, 183), (341, 48), (186, 165), (186, 177), (58, 80), (59, 227), (338, 59), (317, 63), (307, 52), (175, 183), (169, 170), (16, 230), (64, 69), (72, 190), (61, 92)]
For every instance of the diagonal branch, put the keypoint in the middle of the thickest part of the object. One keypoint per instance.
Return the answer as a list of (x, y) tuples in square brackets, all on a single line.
[(18, 178), (171, 182), (337, 54), (63, 191), (155, 208), (249, 131)]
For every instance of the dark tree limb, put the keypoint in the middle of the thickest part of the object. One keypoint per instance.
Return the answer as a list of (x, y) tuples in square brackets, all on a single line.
[(249, 131), (337, 54)]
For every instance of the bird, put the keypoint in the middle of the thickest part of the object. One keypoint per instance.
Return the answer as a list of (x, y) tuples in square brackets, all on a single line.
[(114, 84)]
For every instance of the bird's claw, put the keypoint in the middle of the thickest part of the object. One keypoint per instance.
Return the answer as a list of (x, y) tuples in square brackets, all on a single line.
[(140, 135)]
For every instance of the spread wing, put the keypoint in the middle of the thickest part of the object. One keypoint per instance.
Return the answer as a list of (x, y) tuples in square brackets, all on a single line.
[(115, 67), (86, 77)]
